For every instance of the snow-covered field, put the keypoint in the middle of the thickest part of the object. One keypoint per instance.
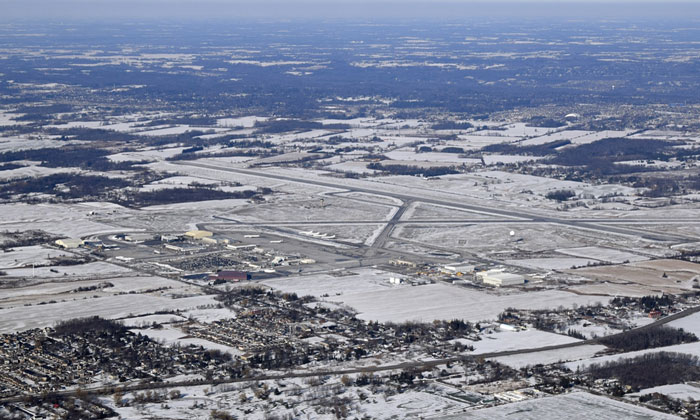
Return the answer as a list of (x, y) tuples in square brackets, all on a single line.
[(616, 289), (477, 141), (358, 167), (34, 171), (318, 284), (576, 405), (59, 288), (197, 402), (315, 209), (409, 155), (176, 129), (28, 255), (603, 254), (25, 142), (370, 294), (187, 181), (246, 122), (527, 237), (692, 349), (209, 314), (120, 306), (598, 135), (172, 336), (360, 233), (559, 135), (147, 320), (70, 220), (94, 270), (506, 159), (550, 356), (10, 118), (662, 275), (146, 154), (505, 182), (518, 340), (551, 263), (437, 301), (424, 211), (690, 323), (678, 391)]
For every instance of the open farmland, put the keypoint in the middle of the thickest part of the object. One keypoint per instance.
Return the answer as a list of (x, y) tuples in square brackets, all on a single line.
[(576, 405), (121, 306), (658, 276), (376, 300)]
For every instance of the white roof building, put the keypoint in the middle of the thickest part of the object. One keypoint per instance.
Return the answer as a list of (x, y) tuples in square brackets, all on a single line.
[(500, 278), (198, 234), (69, 243), (462, 268)]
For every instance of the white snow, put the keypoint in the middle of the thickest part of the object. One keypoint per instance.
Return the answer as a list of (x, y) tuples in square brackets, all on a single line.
[(369, 295), (120, 306), (518, 340), (246, 122), (576, 405), (678, 391), (692, 349), (548, 357)]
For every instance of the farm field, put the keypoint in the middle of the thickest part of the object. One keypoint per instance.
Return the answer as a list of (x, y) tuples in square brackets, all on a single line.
[(574, 405)]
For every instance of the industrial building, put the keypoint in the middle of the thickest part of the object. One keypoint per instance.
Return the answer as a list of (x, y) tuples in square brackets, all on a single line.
[(500, 278), (69, 243), (458, 269), (209, 241), (198, 234)]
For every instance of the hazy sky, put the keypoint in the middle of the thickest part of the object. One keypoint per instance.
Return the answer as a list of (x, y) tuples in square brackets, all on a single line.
[(280, 9)]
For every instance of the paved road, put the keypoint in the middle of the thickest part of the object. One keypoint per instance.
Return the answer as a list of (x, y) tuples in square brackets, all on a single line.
[(386, 232), (517, 216)]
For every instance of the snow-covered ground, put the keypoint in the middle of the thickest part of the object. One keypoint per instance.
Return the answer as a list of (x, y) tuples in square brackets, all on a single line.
[(576, 405), (246, 122), (146, 154), (559, 135), (660, 275), (550, 356), (28, 255), (690, 323), (172, 336), (692, 349), (410, 155), (209, 314), (94, 270), (147, 320), (506, 159), (551, 263), (120, 306), (59, 288), (70, 220), (603, 254), (678, 391), (424, 211), (34, 171), (518, 340), (370, 294)]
